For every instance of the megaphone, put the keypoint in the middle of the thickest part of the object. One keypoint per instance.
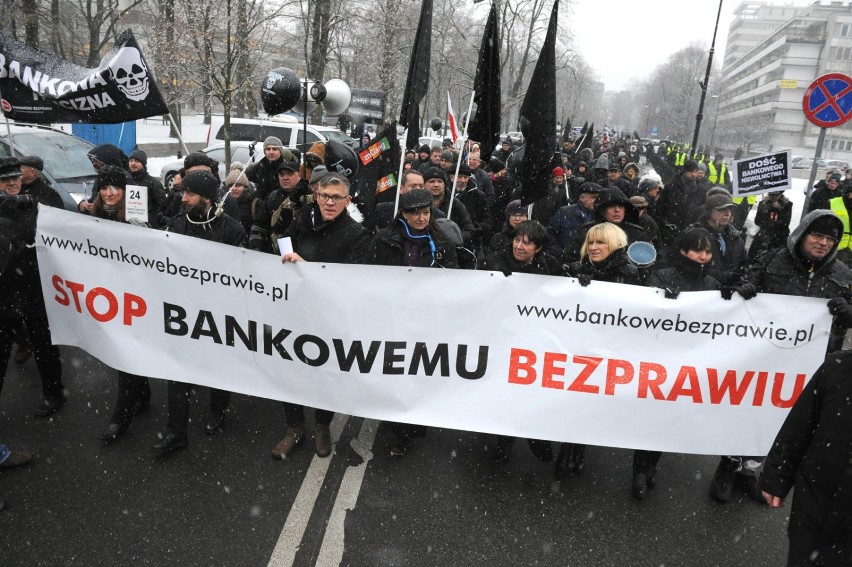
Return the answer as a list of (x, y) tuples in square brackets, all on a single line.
[(280, 91), (337, 96)]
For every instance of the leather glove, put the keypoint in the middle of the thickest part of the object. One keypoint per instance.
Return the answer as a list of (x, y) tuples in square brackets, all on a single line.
[(747, 290), (841, 310), (137, 222), (257, 239), (584, 279), (727, 292), (507, 272), (672, 293)]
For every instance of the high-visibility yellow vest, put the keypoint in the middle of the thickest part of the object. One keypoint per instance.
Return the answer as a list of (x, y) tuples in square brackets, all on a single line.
[(680, 158), (713, 176), (668, 150), (751, 200), (839, 209)]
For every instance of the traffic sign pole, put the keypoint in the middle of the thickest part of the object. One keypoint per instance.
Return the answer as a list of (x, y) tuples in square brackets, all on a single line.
[(827, 104), (814, 167)]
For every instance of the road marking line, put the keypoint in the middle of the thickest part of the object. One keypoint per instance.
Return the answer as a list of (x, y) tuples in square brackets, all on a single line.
[(331, 550), (291, 536)]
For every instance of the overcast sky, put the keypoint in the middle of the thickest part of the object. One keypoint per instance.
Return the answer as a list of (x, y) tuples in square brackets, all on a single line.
[(627, 39)]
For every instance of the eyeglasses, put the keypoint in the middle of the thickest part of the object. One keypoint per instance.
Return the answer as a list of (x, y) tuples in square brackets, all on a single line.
[(823, 237), (336, 199), (518, 215)]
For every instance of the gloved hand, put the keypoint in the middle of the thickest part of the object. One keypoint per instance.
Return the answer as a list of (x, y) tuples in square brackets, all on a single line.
[(672, 293), (257, 239), (584, 279), (727, 292), (138, 222), (841, 310), (747, 290), (507, 271)]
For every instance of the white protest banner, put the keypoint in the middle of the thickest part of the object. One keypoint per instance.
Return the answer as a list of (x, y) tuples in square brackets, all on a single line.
[(528, 356), (761, 174), (136, 203)]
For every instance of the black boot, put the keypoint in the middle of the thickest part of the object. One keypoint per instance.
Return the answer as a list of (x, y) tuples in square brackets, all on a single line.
[(543, 450), (639, 485), (749, 485), (504, 448), (563, 460), (651, 477), (723, 479), (578, 459)]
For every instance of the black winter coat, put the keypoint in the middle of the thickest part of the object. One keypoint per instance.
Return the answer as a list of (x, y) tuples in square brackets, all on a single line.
[(388, 248), (728, 267), (683, 274), (614, 269), (264, 175), (813, 452), (157, 199), (339, 241), (224, 229), (784, 271), (504, 261)]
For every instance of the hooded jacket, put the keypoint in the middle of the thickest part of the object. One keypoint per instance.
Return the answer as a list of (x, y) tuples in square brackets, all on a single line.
[(785, 271)]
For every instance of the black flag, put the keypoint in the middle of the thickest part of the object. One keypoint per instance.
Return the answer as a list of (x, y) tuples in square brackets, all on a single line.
[(485, 125), (40, 87), (538, 115), (566, 131), (418, 76)]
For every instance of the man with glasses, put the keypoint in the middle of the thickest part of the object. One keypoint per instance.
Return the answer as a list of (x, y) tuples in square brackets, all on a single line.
[(321, 232), (807, 267)]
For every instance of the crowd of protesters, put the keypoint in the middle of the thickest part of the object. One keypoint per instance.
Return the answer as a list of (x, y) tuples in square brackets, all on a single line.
[(453, 208)]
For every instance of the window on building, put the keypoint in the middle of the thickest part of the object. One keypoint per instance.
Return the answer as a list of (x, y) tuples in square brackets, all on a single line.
[(845, 30)]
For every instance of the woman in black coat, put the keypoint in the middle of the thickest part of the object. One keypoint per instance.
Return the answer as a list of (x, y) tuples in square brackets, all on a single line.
[(524, 254), (412, 239), (134, 393), (603, 257)]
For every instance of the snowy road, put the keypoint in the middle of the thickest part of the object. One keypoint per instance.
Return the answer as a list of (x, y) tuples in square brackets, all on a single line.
[(224, 501)]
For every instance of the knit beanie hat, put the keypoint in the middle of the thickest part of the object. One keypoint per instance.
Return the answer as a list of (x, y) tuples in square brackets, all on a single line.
[(202, 183), (139, 156)]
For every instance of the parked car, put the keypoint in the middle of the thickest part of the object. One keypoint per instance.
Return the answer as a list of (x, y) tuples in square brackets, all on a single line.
[(245, 152), (66, 158), (284, 127), (837, 163), (516, 137), (808, 163)]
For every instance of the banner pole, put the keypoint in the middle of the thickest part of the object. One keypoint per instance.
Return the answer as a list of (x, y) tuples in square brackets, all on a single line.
[(8, 131), (398, 178), (177, 131), (461, 153)]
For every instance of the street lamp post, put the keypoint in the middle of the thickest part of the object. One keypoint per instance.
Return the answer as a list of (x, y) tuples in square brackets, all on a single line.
[(715, 118)]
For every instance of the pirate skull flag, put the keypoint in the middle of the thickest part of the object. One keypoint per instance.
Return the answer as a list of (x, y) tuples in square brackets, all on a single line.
[(39, 87)]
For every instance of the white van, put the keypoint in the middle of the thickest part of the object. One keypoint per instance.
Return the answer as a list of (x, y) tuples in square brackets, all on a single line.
[(289, 130)]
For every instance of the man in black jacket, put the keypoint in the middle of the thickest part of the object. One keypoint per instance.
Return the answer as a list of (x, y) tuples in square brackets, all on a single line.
[(20, 283), (813, 452), (321, 232), (807, 267), (201, 220)]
